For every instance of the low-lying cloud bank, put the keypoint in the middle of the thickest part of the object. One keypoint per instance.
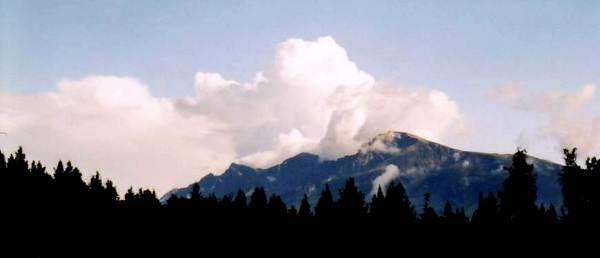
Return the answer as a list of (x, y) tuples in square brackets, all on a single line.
[(311, 98)]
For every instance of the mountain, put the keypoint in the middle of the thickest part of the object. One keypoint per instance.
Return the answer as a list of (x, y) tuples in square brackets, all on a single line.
[(422, 167)]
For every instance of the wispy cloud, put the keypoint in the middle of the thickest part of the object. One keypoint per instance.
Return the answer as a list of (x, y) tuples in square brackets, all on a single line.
[(567, 118), (390, 173)]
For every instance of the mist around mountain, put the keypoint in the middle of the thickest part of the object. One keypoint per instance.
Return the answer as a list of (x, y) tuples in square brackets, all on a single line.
[(422, 166)]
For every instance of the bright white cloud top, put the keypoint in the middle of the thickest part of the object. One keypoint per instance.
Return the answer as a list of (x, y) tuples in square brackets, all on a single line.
[(312, 98)]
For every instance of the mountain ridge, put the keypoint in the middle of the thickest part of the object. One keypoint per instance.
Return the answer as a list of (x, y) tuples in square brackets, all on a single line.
[(423, 166)]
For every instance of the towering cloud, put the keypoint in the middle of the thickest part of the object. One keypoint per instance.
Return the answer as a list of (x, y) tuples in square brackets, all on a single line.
[(314, 98), (311, 98)]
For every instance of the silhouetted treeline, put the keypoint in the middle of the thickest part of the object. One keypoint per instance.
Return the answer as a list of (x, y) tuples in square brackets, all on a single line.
[(34, 196)]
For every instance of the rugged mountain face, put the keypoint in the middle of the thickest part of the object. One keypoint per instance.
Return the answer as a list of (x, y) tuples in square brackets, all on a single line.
[(422, 166)]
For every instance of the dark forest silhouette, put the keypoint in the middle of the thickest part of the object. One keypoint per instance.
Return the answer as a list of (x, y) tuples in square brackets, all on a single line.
[(37, 199)]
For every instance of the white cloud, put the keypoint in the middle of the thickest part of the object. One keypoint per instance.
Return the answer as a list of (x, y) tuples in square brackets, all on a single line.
[(383, 143), (312, 98), (285, 146), (391, 172), (569, 122), (210, 82), (114, 124), (567, 118)]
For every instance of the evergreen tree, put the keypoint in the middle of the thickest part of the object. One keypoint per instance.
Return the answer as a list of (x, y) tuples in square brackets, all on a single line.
[(111, 193), (4, 178), (40, 196), (592, 189), (304, 213), (277, 209), (71, 190), (487, 212), (130, 197), (461, 217), (2, 165), (398, 207), (173, 203), (324, 210), (210, 205), (148, 199), (143, 199), (571, 180), (17, 164), (517, 200), (59, 171), (240, 201), (449, 215), (195, 195), (351, 204), (97, 192), (429, 216), (377, 208), (258, 203), (226, 209), (581, 193)]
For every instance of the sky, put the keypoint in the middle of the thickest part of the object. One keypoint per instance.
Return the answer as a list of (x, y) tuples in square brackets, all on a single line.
[(160, 93)]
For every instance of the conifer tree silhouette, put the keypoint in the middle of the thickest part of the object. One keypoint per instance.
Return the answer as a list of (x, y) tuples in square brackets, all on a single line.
[(304, 213), (277, 210), (351, 204), (449, 215), (377, 209), (258, 204), (240, 201), (398, 206), (428, 216), (487, 213), (325, 210), (69, 201), (517, 200)]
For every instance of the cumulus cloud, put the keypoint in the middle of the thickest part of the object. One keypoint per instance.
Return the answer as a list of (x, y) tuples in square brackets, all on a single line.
[(567, 118), (115, 125), (312, 98), (391, 172), (314, 93)]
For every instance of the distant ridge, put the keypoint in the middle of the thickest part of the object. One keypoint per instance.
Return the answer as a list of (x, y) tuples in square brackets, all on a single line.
[(423, 167)]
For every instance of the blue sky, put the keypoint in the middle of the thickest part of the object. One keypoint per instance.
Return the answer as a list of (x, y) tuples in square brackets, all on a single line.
[(452, 45), (463, 48)]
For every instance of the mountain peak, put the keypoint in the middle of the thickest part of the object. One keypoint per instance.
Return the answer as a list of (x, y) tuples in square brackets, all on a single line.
[(399, 135), (238, 169), (302, 159), (392, 142)]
